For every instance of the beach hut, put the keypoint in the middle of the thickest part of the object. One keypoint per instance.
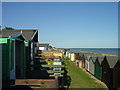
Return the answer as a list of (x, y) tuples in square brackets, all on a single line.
[(81, 61), (72, 56), (65, 50), (98, 67), (69, 55), (43, 46), (31, 36), (77, 62), (116, 75), (87, 59), (36, 45), (110, 73), (13, 56), (77, 56), (92, 65)]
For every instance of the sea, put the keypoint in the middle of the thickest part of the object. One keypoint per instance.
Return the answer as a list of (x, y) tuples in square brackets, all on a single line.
[(114, 51)]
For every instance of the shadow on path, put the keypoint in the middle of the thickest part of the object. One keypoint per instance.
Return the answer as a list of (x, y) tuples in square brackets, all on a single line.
[(65, 81)]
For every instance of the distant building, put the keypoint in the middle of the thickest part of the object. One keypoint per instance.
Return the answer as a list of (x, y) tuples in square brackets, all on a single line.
[(43, 46)]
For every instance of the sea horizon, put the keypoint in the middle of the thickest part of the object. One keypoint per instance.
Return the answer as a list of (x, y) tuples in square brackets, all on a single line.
[(114, 51)]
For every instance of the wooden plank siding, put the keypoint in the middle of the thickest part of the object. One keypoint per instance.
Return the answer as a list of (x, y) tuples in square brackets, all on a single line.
[(91, 66), (37, 83)]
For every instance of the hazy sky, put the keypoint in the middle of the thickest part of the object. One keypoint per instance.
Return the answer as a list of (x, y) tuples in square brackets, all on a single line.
[(68, 25)]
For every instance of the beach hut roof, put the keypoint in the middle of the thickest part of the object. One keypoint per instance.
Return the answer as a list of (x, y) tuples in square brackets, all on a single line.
[(95, 56), (87, 57), (100, 59), (112, 60), (93, 59), (28, 34), (70, 51), (43, 45), (14, 36), (81, 54)]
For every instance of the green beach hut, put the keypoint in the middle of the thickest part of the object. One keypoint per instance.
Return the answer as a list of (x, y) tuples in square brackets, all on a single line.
[(31, 44), (13, 56), (98, 67)]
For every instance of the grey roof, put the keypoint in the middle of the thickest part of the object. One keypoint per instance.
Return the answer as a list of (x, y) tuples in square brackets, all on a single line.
[(8, 33), (15, 35), (100, 59), (112, 60), (70, 51), (93, 59), (28, 34), (81, 54), (87, 57), (43, 45)]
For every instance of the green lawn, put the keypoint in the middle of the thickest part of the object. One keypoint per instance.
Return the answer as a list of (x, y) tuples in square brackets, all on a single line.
[(80, 79)]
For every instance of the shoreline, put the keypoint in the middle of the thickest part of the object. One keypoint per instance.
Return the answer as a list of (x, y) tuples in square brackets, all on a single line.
[(104, 54)]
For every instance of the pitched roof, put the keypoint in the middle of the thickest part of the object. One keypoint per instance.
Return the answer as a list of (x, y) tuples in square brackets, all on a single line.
[(81, 54), (93, 59), (28, 34), (100, 59), (16, 35), (8, 33), (112, 60), (43, 45), (87, 57), (97, 57)]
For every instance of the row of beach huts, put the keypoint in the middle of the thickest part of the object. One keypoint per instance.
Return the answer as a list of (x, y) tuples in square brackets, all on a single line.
[(18, 51), (104, 67)]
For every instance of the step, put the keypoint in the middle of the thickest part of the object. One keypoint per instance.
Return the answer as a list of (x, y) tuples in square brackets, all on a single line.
[(53, 71), (52, 65)]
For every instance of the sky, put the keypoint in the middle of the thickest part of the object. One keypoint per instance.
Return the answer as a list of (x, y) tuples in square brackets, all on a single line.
[(66, 24)]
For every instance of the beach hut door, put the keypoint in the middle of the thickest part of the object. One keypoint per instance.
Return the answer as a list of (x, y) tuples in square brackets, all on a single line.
[(12, 72)]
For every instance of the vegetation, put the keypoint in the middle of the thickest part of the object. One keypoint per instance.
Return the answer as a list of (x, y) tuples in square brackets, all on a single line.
[(78, 78), (50, 47), (7, 28)]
